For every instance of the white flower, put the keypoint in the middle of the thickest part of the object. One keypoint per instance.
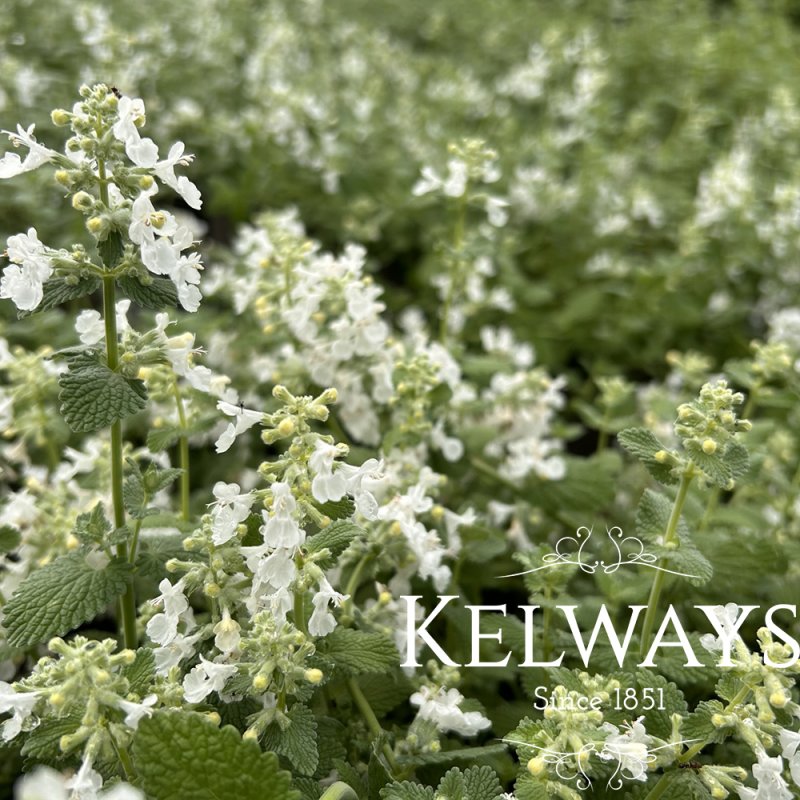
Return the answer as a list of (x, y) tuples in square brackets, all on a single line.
[(86, 782), (771, 785), (20, 703), (327, 484), (12, 165), (452, 449), (205, 678), (44, 783), (496, 211), (162, 628), (629, 748), (90, 327), (171, 654), (135, 711), (280, 528), (362, 482), (322, 621), (245, 419), (727, 617), (231, 509), (442, 708), (181, 185), (790, 741), (226, 633), (22, 281)]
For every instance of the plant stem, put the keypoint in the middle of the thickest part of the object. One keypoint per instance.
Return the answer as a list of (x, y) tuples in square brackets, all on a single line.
[(354, 582), (660, 787), (458, 243), (372, 721), (669, 538), (127, 603), (339, 791), (183, 455)]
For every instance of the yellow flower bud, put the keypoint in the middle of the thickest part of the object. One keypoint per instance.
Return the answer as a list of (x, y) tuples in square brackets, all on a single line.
[(260, 683), (286, 427), (662, 456), (95, 224), (709, 447), (536, 766), (146, 182), (60, 117), (314, 675)]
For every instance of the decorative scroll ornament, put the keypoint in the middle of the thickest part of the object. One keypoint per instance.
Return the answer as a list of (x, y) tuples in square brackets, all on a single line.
[(572, 766), (571, 550)]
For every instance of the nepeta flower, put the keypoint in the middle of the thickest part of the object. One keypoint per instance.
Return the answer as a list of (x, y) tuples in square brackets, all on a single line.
[(205, 678), (22, 282), (135, 711), (790, 741), (12, 165), (629, 749), (322, 621), (226, 633), (245, 418), (20, 703), (280, 528), (442, 708), (327, 484), (771, 785), (231, 509), (163, 627)]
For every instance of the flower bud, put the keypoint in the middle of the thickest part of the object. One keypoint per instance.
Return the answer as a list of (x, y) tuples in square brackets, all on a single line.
[(214, 717), (662, 456), (212, 589), (286, 427), (709, 447), (97, 225), (250, 735), (146, 182), (60, 117), (63, 177), (536, 766), (313, 675), (260, 683), (57, 699)]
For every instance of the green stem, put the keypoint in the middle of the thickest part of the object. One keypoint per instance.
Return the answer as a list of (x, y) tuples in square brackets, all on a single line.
[(740, 697), (372, 721), (127, 603), (669, 538), (661, 786), (183, 455), (354, 582), (458, 243), (339, 791)]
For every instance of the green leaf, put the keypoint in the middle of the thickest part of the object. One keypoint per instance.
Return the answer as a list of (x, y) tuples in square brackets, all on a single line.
[(141, 673), (643, 444), (476, 783), (336, 538), (58, 598), (355, 652), (9, 538), (470, 754), (162, 438), (331, 738), (42, 744), (406, 791), (657, 720), (183, 754), (92, 527), (737, 459), (160, 293), (57, 291), (338, 509), (111, 249), (698, 724), (298, 741), (93, 396)]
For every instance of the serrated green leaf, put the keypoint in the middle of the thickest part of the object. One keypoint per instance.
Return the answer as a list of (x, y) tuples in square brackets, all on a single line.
[(92, 527), (159, 294), (336, 538), (643, 444), (93, 396), (475, 783), (355, 652), (163, 438), (351, 776), (57, 291), (59, 597), (737, 459), (111, 249), (338, 509), (42, 743), (9, 538), (141, 673), (460, 754), (378, 775), (298, 741), (183, 754), (657, 720), (698, 724), (406, 791), (330, 742)]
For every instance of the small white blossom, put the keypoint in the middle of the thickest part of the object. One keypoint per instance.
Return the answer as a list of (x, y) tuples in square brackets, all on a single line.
[(442, 708), (205, 678), (20, 703), (245, 418)]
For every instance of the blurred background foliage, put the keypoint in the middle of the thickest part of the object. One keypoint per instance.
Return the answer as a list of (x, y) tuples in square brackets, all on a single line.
[(649, 149)]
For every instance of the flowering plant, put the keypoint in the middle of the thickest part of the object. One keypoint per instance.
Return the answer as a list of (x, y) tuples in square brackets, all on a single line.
[(268, 548)]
